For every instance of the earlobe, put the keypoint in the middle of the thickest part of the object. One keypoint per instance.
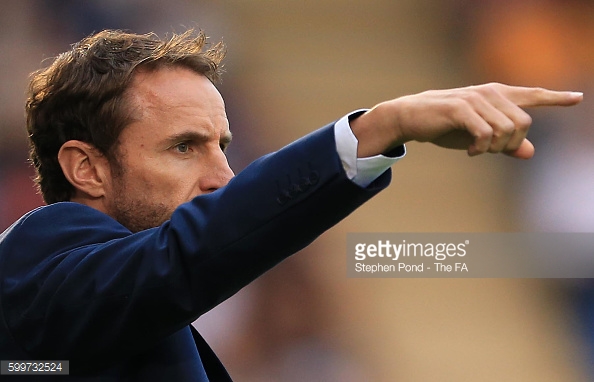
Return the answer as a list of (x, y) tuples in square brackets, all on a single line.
[(84, 167)]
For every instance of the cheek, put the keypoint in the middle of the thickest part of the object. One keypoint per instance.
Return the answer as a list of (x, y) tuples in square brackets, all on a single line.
[(168, 186), (164, 179)]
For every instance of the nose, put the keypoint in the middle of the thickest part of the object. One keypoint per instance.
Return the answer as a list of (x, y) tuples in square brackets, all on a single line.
[(218, 174)]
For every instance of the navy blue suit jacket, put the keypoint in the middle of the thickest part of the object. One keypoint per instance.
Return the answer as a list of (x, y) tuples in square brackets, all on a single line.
[(76, 285)]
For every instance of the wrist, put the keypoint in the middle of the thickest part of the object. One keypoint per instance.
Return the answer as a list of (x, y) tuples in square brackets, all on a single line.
[(377, 130)]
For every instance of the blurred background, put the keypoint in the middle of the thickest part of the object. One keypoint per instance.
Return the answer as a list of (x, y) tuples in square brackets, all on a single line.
[(293, 66)]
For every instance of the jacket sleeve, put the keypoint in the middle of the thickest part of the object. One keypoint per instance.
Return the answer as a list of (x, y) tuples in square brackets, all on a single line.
[(78, 285)]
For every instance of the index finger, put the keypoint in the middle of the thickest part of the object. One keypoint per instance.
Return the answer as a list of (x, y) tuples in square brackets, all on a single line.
[(531, 97)]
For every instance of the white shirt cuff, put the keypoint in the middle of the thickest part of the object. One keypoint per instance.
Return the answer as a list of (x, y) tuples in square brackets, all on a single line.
[(362, 171)]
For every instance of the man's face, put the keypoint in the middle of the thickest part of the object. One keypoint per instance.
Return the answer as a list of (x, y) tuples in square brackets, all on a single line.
[(174, 149)]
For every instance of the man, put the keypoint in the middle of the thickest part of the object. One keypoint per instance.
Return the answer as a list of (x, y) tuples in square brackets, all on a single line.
[(146, 228)]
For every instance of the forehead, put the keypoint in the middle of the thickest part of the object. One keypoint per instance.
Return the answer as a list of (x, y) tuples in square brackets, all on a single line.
[(171, 102), (168, 103), (173, 90)]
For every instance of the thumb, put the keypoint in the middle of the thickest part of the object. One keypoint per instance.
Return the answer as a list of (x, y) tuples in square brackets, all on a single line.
[(525, 151)]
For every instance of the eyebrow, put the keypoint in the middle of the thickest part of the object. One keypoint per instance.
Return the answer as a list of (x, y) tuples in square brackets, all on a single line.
[(193, 136)]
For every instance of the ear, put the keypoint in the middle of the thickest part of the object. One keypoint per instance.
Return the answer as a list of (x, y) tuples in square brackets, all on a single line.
[(85, 168)]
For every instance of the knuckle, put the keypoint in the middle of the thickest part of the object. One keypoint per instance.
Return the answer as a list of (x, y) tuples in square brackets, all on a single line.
[(458, 107), (499, 135), (495, 85), (506, 128), (480, 149), (524, 121), (474, 94), (491, 88), (483, 135), (469, 99), (539, 92)]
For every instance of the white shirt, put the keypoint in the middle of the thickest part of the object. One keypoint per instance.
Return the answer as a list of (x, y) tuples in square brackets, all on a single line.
[(362, 171)]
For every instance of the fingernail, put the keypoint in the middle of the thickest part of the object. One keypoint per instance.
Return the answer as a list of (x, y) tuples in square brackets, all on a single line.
[(577, 94)]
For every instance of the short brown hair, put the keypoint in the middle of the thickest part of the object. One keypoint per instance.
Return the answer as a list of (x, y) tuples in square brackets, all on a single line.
[(81, 95)]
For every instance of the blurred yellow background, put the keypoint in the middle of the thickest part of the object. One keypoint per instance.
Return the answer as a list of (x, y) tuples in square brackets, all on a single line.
[(294, 66)]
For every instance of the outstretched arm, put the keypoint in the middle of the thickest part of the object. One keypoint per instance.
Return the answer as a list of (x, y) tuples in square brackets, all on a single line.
[(479, 119)]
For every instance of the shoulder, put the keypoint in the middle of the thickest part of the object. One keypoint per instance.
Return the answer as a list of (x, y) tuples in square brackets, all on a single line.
[(61, 213), (62, 216), (58, 227)]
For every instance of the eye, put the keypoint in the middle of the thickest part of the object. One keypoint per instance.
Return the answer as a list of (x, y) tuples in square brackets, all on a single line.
[(182, 147)]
